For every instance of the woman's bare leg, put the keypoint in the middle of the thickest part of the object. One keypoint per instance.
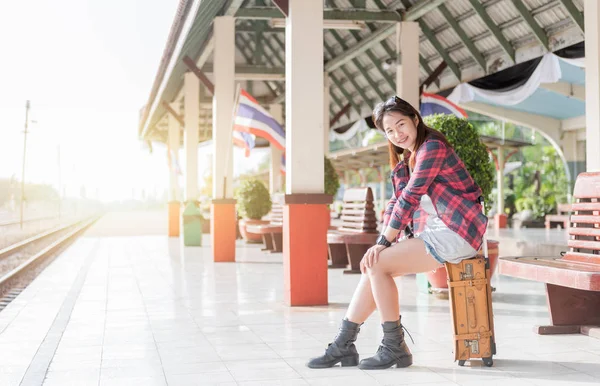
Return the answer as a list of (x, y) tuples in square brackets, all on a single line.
[(362, 304), (406, 257)]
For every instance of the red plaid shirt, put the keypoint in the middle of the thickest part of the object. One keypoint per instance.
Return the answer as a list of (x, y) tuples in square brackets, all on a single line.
[(441, 175)]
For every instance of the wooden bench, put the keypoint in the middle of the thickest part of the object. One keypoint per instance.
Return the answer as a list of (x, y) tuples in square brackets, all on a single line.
[(272, 234), (348, 243), (562, 218), (573, 280)]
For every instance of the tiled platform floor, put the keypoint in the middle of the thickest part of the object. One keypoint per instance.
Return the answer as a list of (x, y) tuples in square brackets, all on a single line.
[(125, 305)]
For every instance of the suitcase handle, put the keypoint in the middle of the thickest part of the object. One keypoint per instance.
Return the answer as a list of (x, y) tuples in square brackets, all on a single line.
[(485, 246)]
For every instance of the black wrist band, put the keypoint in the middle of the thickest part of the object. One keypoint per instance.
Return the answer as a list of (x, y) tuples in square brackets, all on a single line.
[(381, 240)]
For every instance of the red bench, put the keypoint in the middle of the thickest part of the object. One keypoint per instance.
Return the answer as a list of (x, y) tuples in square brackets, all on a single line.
[(562, 218), (348, 243), (573, 280), (272, 234)]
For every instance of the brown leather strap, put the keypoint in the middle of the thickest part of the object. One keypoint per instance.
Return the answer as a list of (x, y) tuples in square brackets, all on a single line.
[(473, 336), (468, 283)]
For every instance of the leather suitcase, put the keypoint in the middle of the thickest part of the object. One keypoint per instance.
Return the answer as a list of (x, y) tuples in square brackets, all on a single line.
[(470, 296)]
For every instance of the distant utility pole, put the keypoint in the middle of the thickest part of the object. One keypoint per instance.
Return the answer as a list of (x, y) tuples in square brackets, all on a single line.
[(24, 152)]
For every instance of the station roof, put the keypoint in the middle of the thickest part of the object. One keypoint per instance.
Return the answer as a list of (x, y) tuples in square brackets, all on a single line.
[(474, 38)]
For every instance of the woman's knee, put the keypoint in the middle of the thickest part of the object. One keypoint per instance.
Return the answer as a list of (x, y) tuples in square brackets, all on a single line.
[(377, 270)]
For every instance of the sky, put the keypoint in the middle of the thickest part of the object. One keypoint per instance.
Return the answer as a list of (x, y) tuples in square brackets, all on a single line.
[(87, 68)]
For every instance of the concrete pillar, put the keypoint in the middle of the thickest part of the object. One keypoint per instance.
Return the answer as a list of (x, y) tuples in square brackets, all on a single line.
[(500, 180), (223, 215), (500, 218), (306, 217), (407, 70), (592, 83), (326, 117), (191, 85), (275, 177), (173, 148), (574, 154)]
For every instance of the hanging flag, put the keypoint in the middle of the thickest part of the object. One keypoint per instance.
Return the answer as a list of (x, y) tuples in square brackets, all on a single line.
[(436, 104), (244, 140), (251, 118), (283, 163)]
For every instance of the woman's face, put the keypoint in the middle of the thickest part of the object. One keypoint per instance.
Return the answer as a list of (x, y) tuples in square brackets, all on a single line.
[(400, 129)]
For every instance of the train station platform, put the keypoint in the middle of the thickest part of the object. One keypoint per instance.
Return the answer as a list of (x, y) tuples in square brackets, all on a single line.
[(126, 305)]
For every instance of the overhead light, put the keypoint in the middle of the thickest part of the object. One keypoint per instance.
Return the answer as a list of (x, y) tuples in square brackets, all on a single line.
[(388, 64), (327, 24)]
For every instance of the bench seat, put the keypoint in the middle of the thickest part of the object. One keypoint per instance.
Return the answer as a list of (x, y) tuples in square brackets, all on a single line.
[(358, 232), (554, 270), (272, 234), (573, 280)]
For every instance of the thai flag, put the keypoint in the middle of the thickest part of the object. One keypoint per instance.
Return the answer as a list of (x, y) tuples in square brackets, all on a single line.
[(436, 104), (251, 118), (244, 140)]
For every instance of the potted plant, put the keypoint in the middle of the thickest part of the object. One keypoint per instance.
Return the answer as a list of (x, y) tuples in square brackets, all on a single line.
[(467, 144), (253, 203)]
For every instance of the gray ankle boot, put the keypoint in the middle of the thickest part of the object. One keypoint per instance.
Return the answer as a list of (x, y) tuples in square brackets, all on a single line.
[(392, 351), (342, 348)]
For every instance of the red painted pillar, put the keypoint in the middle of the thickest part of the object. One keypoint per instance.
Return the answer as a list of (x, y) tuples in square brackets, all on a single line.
[(222, 230), (305, 225)]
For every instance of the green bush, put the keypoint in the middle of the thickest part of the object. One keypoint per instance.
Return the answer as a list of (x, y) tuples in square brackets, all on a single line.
[(332, 181), (466, 141), (253, 199)]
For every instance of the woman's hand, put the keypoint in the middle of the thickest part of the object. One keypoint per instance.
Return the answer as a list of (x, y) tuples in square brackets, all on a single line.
[(371, 257)]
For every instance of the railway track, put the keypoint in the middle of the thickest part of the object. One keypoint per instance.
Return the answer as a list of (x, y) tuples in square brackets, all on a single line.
[(21, 262)]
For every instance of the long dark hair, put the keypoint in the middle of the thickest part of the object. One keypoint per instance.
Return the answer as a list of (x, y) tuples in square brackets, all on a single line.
[(423, 131)]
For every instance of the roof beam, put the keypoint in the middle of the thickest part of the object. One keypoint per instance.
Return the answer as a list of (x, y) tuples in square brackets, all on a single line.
[(348, 76), (574, 14), (494, 29), (463, 36), (438, 47), (252, 72), (574, 123), (547, 125), (170, 110), (376, 62), (334, 14), (242, 48), (538, 31), (392, 53), (414, 13), (359, 48), (234, 5), (360, 68), (571, 90), (281, 97), (203, 78)]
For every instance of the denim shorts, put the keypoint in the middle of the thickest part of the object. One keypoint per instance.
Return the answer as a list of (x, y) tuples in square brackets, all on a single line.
[(431, 250)]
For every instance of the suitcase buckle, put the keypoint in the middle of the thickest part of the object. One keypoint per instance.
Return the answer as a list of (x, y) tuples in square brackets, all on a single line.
[(468, 274), (474, 346)]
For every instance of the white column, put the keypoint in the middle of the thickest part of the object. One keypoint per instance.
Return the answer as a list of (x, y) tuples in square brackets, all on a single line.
[(224, 75), (326, 117), (174, 143), (303, 96), (592, 83), (500, 180), (407, 70), (275, 178), (192, 121)]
